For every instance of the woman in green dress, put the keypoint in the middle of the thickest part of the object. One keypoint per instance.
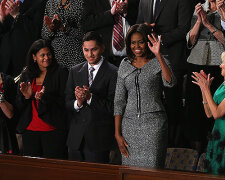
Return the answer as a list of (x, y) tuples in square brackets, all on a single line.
[(214, 107)]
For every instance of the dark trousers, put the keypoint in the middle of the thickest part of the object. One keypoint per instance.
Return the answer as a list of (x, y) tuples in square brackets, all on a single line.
[(85, 154), (50, 144)]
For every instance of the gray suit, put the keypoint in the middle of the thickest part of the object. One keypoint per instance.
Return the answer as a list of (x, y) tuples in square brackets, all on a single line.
[(144, 124)]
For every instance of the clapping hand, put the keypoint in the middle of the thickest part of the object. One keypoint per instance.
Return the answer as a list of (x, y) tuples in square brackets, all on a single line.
[(26, 90), (80, 95), (13, 7), (53, 24), (38, 95), (154, 44), (202, 15), (87, 92), (123, 7), (221, 8), (119, 7), (203, 80), (198, 9), (3, 10)]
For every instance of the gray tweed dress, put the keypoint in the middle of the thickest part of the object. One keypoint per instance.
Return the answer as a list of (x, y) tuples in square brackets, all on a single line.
[(138, 99)]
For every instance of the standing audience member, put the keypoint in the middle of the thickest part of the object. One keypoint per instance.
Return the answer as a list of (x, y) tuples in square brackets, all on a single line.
[(206, 42), (140, 118), (8, 142), (62, 25), (172, 21), (89, 96), (214, 106), (20, 25), (112, 19), (40, 102)]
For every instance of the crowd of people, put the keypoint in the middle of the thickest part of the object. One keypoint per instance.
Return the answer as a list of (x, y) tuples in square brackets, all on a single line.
[(105, 79)]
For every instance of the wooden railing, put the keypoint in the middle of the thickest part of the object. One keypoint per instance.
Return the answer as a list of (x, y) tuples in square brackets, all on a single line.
[(27, 168)]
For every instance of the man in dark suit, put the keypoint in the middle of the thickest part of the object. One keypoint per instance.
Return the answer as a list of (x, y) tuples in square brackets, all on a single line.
[(20, 26), (172, 19), (100, 16), (89, 96)]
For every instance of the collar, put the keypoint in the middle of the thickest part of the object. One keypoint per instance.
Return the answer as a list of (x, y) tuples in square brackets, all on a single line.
[(96, 66)]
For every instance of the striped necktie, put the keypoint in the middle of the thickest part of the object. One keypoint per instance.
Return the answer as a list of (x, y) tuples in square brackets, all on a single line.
[(118, 39), (90, 78)]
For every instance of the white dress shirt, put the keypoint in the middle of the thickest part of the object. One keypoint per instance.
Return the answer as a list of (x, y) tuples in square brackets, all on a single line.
[(96, 67)]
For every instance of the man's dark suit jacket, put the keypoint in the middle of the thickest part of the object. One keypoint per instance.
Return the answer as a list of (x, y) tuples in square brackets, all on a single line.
[(98, 17), (173, 21), (93, 122), (16, 36)]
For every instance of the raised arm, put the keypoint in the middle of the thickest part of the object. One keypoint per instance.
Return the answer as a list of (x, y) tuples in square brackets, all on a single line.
[(211, 108)]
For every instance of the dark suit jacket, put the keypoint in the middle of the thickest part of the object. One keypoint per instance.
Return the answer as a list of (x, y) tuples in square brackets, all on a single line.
[(16, 36), (94, 122), (51, 108), (98, 17), (173, 21)]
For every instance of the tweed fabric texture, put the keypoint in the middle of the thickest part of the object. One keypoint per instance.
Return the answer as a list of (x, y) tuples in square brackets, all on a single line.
[(144, 124)]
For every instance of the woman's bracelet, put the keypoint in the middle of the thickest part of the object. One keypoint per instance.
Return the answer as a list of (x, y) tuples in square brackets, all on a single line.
[(204, 102)]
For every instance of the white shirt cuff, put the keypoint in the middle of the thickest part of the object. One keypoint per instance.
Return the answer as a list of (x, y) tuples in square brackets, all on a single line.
[(223, 24), (89, 101), (76, 107)]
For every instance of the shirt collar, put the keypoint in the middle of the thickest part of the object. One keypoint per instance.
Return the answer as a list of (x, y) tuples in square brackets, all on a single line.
[(96, 66)]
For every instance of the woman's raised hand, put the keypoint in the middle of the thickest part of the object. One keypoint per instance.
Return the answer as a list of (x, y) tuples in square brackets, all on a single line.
[(154, 44), (26, 90), (122, 144)]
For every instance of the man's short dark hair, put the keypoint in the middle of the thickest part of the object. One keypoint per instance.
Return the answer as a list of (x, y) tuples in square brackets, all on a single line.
[(93, 36)]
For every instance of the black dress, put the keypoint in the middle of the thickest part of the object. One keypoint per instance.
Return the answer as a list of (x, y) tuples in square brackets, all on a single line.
[(8, 142)]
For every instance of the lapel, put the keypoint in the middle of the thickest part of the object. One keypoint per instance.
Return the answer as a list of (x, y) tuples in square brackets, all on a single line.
[(103, 5), (102, 70), (162, 5), (151, 11), (83, 74)]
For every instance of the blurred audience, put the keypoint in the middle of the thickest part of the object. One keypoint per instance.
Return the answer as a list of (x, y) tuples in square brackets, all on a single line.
[(111, 18), (8, 142), (206, 43), (20, 25), (62, 26)]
